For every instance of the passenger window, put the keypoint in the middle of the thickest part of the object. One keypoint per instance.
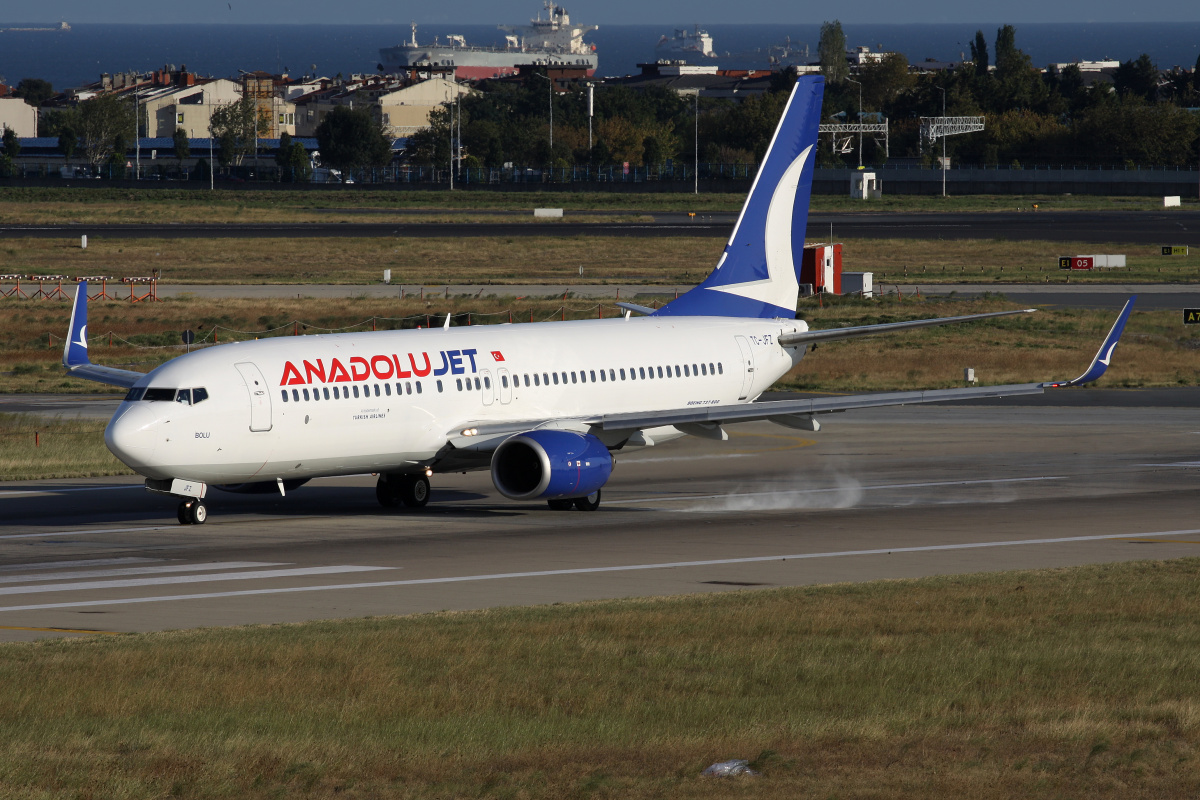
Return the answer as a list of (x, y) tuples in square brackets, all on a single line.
[(678, 374), (377, 390), (703, 369), (418, 387), (355, 392), (603, 377), (296, 395), (326, 393), (593, 375), (306, 395), (487, 382), (573, 378), (504, 381), (546, 379), (642, 373), (564, 379), (439, 385), (612, 374), (695, 371), (556, 379), (407, 388), (284, 393), (459, 382), (686, 374), (720, 368), (622, 373), (477, 386), (536, 381), (660, 372), (387, 389)]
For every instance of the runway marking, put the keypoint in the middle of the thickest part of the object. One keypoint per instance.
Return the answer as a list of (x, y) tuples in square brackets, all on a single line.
[(221, 576), (87, 562), (89, 531), (4, 495), (1174, 464), (116, 573), (57, 630), (1164, 541), (836, 489), (592, 570)]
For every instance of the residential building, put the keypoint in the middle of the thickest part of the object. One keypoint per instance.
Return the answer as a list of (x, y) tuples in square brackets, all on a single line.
[(18, 116)]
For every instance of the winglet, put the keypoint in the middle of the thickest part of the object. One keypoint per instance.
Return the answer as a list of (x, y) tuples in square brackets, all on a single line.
[(75, 352), (1104, 354)]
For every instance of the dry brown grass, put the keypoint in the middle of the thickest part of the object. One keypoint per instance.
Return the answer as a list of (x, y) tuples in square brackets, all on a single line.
[(35, 449), (1064, 683), (556, 260)]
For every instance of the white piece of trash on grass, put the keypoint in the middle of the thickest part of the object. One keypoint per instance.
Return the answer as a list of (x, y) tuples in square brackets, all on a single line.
[(729, 769)]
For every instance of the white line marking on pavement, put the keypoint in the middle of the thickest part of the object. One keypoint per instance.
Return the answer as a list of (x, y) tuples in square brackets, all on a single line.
[(89, 531), (595, 570), (87, 562), (118, 573), (836, 489), (25, 492), (1175, 464), (223, 576)]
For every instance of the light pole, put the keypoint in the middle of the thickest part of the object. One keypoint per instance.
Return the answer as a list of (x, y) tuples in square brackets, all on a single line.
[(696, 147), (851, 80), (943, 132)]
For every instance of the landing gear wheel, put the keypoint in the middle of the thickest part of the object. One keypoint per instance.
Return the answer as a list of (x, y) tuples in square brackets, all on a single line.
[(561, 504), (387, 492), (192, 512), (414, 491), (589, 503)]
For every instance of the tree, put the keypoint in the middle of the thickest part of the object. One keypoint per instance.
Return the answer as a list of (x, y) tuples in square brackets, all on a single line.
[(34, 91), (352, 138), (1138, 78), (12, 144), (103, 120), (979, 54), (832, 50), (183, 148), (652, 151), (884, 80), (292, 159), (68, 143), (235, 127)]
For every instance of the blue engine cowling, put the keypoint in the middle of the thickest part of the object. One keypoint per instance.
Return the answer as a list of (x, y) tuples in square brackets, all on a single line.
[(549, 464)]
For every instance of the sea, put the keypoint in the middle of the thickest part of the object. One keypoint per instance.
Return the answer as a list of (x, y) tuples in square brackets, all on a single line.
[(78, 56)]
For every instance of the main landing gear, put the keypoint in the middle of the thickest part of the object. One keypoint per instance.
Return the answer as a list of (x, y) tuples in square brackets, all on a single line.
[(587, 503), (396, 488), (192, 512)]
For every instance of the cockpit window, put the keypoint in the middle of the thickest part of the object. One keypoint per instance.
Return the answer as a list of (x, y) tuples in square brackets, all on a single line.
[(134, 395), (199, 395), (186, 396), (161, 395)]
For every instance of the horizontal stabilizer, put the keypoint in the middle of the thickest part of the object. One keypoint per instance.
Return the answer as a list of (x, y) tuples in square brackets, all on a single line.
[(645, 311), (837, 334)]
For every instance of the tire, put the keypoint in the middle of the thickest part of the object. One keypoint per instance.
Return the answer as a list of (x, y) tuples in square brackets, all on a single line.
[(198, 513), (184, 513), (589, 503), (414, 491), (387, 492), (561, 504)]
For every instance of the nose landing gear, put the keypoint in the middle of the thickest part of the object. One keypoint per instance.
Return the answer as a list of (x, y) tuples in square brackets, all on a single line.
[(192, 512)]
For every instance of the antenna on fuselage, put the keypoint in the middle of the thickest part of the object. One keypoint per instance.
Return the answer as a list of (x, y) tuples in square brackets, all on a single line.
[(447, 325)]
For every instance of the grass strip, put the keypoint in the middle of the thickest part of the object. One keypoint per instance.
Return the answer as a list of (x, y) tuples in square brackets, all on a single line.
[(1077, 682), (33, 448), (562, 260), (1156, 350)]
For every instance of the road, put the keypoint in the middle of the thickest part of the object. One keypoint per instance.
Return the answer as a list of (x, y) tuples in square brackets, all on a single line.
[(886, 493), (1181, 227)]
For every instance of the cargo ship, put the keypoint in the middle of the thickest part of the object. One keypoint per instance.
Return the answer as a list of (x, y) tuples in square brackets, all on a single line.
[(694, 44), (554, 41)]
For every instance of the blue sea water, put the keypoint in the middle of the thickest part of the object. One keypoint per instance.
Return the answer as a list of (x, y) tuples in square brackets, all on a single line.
[(79, 56)]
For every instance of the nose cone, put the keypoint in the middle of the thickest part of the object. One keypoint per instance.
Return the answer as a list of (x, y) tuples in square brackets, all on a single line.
[(132, 435)]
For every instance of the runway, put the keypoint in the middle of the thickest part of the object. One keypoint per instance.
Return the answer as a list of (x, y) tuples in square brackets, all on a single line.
[(885, 493), (1125, 227)]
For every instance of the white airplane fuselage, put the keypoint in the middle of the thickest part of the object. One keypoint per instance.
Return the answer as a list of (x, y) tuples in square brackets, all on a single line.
[(301, 407)]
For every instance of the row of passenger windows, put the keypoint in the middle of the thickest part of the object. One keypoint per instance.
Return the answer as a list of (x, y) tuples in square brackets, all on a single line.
[(478, 383), (600, 376), (346, 392), (186, 396)]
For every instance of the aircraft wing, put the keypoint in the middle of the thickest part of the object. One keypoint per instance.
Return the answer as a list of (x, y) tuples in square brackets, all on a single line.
[(798, 413), (75, 351)]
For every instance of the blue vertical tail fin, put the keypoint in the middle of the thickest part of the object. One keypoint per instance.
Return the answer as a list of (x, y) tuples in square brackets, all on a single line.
[(75, 351), (757, 275)]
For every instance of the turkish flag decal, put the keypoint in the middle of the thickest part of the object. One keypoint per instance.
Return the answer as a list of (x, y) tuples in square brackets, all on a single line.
[(496, 354)]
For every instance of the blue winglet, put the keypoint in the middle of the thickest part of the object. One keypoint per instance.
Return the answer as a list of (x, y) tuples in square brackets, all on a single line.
[(1104, 354), (75, 353)]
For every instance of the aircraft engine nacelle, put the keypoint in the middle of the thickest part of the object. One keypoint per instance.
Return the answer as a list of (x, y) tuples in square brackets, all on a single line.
[(549, 464)]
